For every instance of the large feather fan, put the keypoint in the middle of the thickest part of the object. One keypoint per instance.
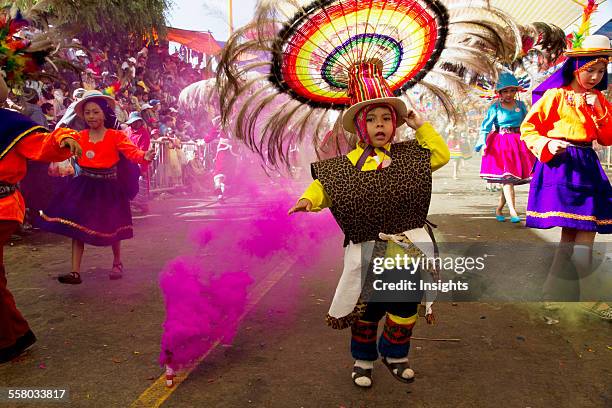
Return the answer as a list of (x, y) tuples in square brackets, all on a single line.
[(299, 82)]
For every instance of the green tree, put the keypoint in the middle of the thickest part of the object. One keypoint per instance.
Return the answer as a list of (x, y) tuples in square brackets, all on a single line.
[(106, 20)]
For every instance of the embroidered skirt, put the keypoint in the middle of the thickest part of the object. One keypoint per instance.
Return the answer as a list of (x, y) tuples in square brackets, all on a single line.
[(571, 190), (506, 159), (93, 208)]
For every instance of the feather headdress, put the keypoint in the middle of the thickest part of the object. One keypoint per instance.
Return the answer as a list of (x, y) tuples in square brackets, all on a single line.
[(25, 48), (307, 50)]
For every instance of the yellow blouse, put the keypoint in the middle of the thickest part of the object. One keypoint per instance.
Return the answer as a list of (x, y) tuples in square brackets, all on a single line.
[(564, 114), (427, 137)]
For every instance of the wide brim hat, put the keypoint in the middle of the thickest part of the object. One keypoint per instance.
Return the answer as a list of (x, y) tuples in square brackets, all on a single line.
[(367, 86), (93, 95), (134, 117), (592, 46), (507, 80), (348, 118)]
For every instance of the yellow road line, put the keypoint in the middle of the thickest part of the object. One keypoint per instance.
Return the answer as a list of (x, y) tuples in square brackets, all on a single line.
[(157, 393)]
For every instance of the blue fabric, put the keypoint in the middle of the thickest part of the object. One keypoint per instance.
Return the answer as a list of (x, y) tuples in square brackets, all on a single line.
[(498, 117), (14, 124), (388, 349), (363, 340)]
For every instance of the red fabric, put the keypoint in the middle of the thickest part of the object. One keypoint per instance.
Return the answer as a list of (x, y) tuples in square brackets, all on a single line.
[(142, 139), (105, 153), (36, 146), (195, 40), (225, 162), (546, 155), (12, 323)]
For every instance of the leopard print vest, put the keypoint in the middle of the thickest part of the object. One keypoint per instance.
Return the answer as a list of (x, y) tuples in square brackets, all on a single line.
[(391, 200)]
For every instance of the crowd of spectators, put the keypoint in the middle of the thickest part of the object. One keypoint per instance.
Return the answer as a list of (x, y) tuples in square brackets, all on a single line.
[(146, 80)]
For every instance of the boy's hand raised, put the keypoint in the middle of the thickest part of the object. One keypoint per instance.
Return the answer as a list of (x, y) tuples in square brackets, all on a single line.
[(304, 205), (414, 119)]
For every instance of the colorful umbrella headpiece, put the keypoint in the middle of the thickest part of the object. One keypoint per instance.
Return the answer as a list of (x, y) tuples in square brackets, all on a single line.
[(315, 51)]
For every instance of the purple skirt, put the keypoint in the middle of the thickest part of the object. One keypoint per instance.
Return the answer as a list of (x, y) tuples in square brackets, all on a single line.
[(571, 190), (506, 159), (95, 211)]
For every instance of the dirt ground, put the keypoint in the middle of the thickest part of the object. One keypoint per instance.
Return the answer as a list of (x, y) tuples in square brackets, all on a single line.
[(101, 339)]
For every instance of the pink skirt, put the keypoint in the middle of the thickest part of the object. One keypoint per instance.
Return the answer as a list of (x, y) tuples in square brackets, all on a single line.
[(506, 159)]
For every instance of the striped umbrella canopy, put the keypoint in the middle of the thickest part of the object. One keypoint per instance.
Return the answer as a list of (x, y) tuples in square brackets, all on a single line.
[(314, 52)]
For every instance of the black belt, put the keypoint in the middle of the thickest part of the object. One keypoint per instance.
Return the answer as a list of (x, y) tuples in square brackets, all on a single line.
[(7, 189), (106, 174), (509, 130)]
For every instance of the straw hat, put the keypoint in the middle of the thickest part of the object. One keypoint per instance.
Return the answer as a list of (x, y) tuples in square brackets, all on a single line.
[(592, 46), (92, 95)]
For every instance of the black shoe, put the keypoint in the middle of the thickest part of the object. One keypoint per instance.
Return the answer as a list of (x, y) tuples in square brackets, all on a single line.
[(72, 278), (22, 344)]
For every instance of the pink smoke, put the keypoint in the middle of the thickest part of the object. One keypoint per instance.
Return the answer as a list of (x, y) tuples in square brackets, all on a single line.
[(205, 300), (201, 308)]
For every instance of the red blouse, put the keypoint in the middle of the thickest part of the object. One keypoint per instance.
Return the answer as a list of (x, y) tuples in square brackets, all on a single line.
[(105, 153)]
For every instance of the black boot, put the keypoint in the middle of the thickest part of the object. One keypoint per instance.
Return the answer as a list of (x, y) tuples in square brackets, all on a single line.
[(22, 344)]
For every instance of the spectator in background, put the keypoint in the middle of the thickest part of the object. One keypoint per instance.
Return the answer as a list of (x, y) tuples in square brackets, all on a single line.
[(167, 123), (181, 131), (130, 66), (141, 137), (70, 118), (88, 80), (49, 111), (31, 108)]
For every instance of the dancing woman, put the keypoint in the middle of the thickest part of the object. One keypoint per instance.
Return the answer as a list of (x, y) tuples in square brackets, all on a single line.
[(506, 159), (569, 188), (94, 207)]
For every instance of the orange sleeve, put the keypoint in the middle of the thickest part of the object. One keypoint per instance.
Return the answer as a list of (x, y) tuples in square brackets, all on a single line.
[(45, 147), (604, 122), (129, 149), (539, 121)]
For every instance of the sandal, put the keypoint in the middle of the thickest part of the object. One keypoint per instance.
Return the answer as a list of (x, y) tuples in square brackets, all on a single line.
[(72, 278), (359, 372), (603, 314), (397, 369), (116, 275)]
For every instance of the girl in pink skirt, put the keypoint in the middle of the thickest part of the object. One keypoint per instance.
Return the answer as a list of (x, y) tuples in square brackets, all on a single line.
[(505, 159)]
